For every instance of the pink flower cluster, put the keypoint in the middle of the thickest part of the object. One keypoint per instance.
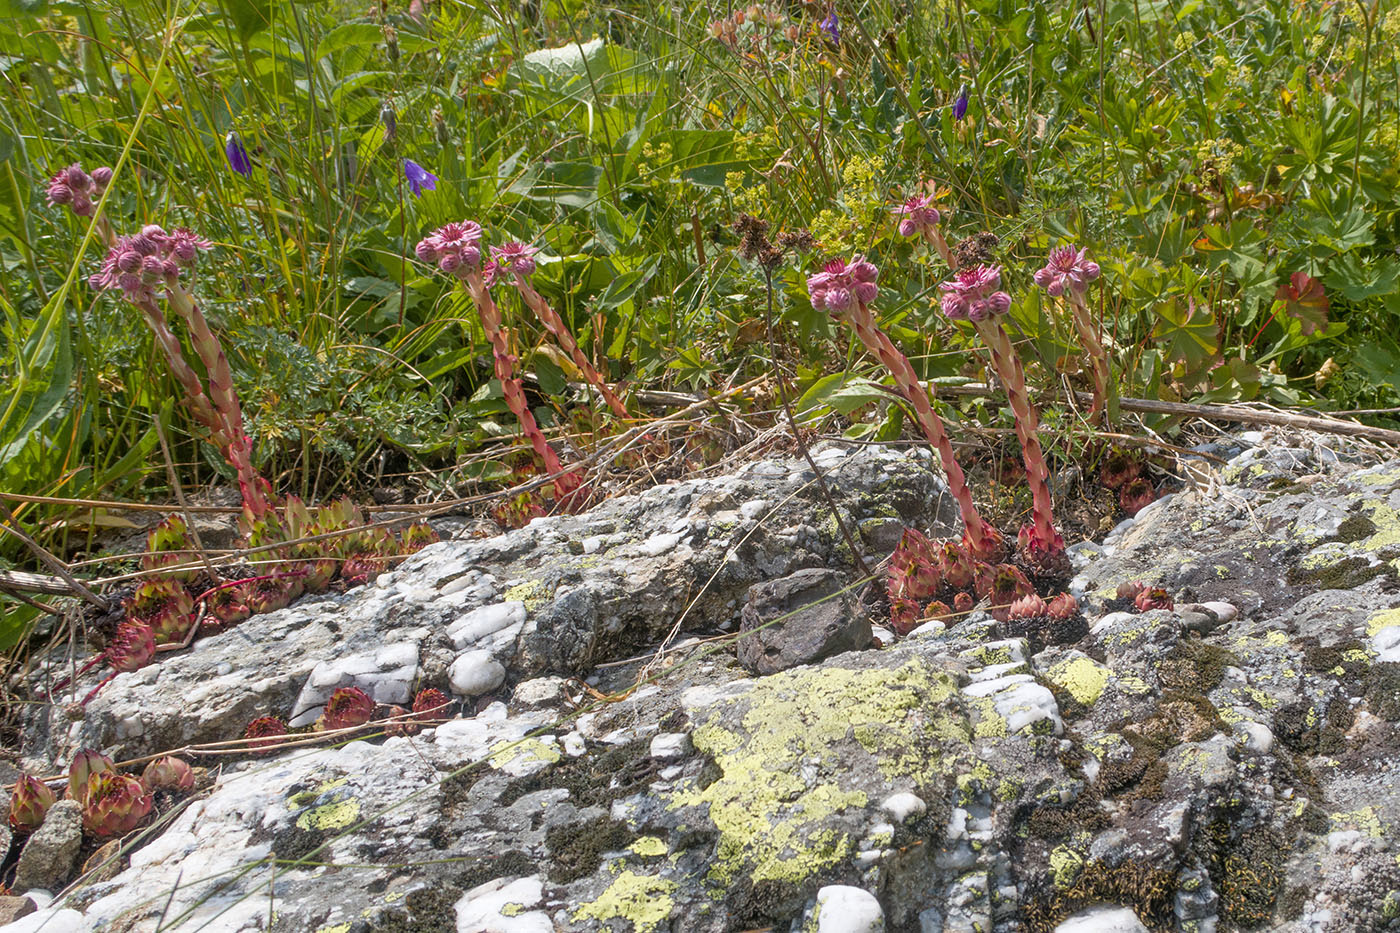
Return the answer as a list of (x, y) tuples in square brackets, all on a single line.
[(841, 286), (972, 295), (512, 258), (918, 215), (1068, 270), (455, 247), (77, 189), (138, 263)]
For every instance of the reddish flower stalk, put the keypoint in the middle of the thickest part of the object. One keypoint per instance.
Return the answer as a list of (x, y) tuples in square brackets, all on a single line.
[(972, 296), (152, 259), (919, 216), (1068, 272), (519, 260), (456, 250), (846, 290)]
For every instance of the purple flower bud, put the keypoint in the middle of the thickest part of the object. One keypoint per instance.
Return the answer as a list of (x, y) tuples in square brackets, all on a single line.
[(839, 299), (102, 177), (60, 193), (515, 257), (76, 178), (128, 260), (153, 267), (960, 104), (82, 205), (237, 155), (865, 292), (153, 230), (170, 269), (449, 262), (954, 307), (425, 251)]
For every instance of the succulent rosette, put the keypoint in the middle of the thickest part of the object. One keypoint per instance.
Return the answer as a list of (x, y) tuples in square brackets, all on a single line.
[(1153, 597), (432, 705), (1136, 495), (85, 764), (347, 708), (115, 804), (132, 647), (29, 804), (168, 773), (265, 733)]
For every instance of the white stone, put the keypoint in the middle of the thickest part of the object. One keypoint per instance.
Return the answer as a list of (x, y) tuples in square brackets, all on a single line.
[(1103, 919), (754, 508), (901, 807), (488, 620), (670, 745), (475, 673), (540, 691), (1255, 736), (575, 745), (657, 545), (844, 909), (592, 544), (498, 907), (64, 920), (1224, 611), (986, 688)]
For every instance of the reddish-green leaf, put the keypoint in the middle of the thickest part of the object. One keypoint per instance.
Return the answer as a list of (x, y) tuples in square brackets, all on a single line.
[(1303, 299)]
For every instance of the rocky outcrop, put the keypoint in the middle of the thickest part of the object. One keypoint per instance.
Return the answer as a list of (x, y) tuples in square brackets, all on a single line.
[(1230, 763)]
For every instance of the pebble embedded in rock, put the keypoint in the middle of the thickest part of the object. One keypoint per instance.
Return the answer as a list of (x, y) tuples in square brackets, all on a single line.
[(670, 745), (12, 908), (1103, 919), (845, 909), (901, 807), (474, 673)]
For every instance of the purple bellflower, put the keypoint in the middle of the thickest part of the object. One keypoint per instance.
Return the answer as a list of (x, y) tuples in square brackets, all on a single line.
[(237, 155), (831, 27), (418, 178)]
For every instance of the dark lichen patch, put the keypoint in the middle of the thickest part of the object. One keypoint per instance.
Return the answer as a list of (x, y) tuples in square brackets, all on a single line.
[(294, 843), (427, 910), (593, 779), (1300, 727), (1247, 871), (1345, 574), (1148, 889), (1355, 528), (1346, 660), (455, 787), (1383, 691), (1369, 896), (1194, 666), (1180, 717), (1055, 824), (577, 850), (769, 901)]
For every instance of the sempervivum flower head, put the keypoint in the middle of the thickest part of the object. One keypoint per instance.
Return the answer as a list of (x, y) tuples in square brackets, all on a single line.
[(515, 257), (962, 602), (913, 567), (76, 189), (1040, 556), (85, 764), (973, 295), (139, 263), (168, 773), (917, 214), (347, 708), (132, 647), (1061, 607), (1068, 269), (115, 804), (266, 732), (455, 247), (29, 804), (431, 705), (841, 286)]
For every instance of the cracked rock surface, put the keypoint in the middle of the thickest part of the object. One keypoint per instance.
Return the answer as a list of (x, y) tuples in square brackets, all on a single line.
[(1232, 763)]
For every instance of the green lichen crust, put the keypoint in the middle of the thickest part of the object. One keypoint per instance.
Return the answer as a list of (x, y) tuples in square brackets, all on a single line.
[(791, 750), (644, 900)]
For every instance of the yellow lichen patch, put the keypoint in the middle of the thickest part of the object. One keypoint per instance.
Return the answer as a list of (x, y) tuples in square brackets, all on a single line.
[(531, 593), (649, 846), (1382, 620), (1081, 677), (642, 899), (1065, 865), (307, 797), (335, 928), (782, 768), (1130, 684), (1378, 477), (1276, 639), (337, 815), (1387, 522), (527, 751), (1364, 819)]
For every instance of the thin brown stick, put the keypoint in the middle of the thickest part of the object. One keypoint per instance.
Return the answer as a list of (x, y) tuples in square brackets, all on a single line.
[(50, 561)]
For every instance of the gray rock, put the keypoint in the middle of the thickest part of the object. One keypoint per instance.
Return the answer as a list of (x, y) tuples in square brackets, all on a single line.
[(50, 856), (817, 621), (1103, 919)]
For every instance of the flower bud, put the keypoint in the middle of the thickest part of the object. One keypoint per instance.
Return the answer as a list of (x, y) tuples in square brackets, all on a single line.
[(29, 804)]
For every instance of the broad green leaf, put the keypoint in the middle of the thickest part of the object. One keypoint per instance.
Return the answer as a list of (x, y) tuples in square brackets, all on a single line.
[(1187, 331), (250, 17)]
